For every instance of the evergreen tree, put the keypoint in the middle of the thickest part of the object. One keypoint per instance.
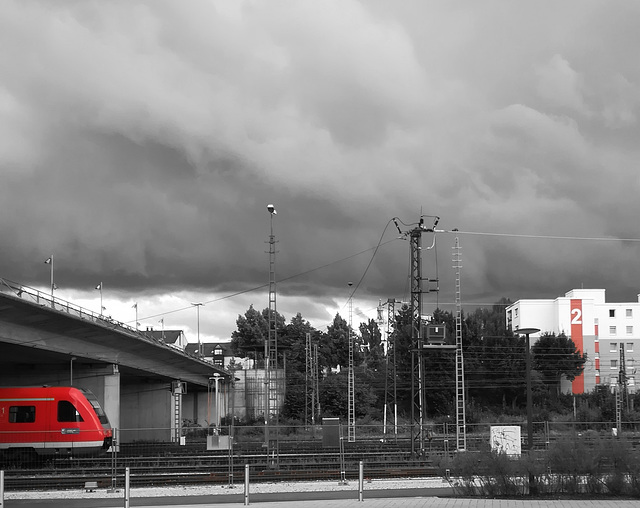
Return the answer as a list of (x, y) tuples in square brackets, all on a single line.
[(554, 357)]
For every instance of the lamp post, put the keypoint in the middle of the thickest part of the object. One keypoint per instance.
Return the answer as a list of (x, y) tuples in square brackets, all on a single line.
[(216, 377), (526, 332), (197, 306), (99, 287), (135, 306), (49, 261)]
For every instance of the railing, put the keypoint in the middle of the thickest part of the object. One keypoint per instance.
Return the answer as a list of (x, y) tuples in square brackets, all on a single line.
[(43, 299)]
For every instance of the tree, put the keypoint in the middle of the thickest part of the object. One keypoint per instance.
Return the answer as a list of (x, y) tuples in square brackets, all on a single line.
[(372, 341), (554, 357), (248, 340), (294, 346), (253, 330), (400, 342), (334, 397), (334, 348)]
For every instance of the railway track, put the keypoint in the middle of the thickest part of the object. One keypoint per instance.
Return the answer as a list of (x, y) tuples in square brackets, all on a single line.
[(219, 467), (58, 480)]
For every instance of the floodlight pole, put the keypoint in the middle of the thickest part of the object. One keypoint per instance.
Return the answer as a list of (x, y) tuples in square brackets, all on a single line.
[(197, 306), (526, 332), (271, 355)]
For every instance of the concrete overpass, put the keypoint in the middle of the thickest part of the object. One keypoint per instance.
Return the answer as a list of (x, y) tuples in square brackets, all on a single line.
[(146, 387)]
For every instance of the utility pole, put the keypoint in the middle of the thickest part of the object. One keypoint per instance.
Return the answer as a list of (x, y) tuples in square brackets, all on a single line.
[(418, 395)]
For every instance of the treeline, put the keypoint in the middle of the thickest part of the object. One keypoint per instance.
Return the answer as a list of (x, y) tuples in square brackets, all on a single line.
[(494, 363)]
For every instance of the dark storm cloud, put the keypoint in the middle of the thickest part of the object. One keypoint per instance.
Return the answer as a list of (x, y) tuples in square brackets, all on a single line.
[(141, 142)]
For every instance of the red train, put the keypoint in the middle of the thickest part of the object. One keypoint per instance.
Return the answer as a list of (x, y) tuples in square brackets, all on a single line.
[(48, 421)]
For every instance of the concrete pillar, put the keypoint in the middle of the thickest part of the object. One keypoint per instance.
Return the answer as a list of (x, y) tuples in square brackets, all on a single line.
[(104, 383)]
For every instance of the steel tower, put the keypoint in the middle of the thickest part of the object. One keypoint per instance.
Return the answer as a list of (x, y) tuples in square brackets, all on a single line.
[(271, 356)]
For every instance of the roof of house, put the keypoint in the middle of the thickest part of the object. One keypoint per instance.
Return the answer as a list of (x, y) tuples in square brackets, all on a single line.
[(167, 336), (208, 348)]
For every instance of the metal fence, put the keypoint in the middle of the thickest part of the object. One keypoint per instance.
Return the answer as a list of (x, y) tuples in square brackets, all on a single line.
[(218, 455)]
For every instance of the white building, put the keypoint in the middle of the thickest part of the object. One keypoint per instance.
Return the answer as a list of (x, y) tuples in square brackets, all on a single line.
[(606, 332)]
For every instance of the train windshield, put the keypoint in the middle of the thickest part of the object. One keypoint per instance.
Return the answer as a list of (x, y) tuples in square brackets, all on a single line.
[(96, 407)]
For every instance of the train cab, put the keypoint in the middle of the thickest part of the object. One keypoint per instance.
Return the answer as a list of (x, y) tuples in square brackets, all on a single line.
[(60, 421)]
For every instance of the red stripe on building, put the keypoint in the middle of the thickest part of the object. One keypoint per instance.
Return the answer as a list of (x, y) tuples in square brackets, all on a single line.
[(576, 336)]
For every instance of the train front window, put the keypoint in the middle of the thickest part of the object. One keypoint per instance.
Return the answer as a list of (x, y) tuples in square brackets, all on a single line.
[(22, 414), (67, 412), (96, 407)]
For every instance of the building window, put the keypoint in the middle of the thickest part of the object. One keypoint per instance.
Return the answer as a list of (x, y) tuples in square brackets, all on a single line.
[(630, 347), (218, 351), (612, 330), (613, 380), (612, 312), (516, 311), (614, 364), (629, 313), (613, 347), (629, 330), (629, 363), (631, 380)]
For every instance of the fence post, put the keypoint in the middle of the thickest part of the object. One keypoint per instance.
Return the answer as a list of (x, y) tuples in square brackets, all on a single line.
[(361, 481), (246, 484), (1, 489), (114, 458), (127, 486)]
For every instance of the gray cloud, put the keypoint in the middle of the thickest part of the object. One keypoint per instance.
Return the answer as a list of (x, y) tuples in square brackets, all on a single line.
[(141, 141)]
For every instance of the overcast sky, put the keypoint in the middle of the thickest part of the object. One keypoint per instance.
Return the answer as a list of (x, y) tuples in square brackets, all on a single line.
[(141, 141)]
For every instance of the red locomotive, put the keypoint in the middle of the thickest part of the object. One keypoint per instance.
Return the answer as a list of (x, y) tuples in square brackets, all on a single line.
[(60, 421)]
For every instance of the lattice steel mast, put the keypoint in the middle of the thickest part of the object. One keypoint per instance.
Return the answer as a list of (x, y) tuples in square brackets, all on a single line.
[(418, 395), (390, 386), (271, 356), (311, 381), (621, 390)]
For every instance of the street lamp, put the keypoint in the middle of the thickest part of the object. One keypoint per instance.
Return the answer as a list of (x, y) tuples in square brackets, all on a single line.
[(99, 287), (197, 306), (49, 261), (216, 377), (526, 332)]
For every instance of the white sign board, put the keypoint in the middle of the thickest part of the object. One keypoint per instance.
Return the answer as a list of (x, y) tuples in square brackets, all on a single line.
[(506, 439)]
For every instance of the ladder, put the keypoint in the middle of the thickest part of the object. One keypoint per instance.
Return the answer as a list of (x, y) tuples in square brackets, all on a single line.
[(351, 403), (461, 434), (177, 391)]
